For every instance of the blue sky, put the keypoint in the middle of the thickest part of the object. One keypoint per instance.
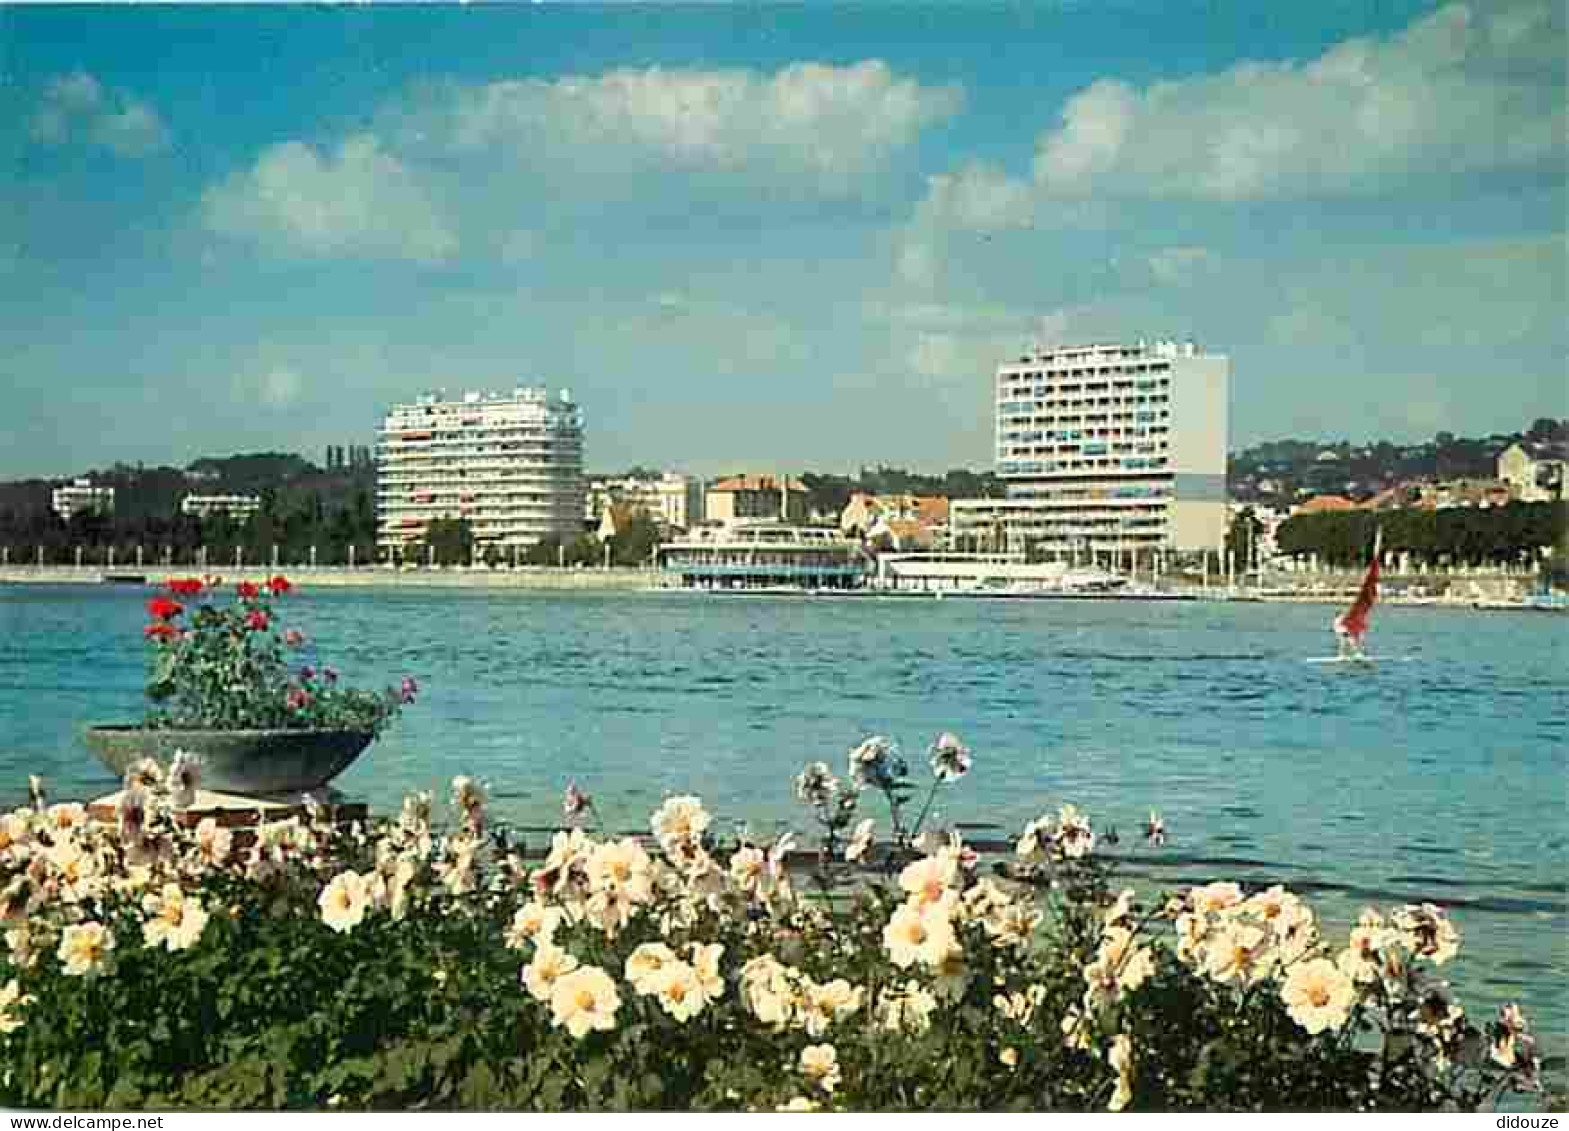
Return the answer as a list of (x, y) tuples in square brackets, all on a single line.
[(769, 237)]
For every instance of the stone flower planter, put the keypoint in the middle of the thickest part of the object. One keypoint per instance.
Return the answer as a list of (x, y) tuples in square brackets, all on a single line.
[(236, 761)]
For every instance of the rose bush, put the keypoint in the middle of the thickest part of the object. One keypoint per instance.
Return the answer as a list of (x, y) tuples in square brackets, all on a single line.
[(229, 668), (305, 964)]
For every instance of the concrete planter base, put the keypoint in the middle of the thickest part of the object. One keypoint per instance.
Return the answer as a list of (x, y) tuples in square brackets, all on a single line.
[(236, 761)]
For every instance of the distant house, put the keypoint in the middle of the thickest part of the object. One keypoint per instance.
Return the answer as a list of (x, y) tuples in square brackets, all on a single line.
[(910, 521), (81, 497), (749, 497), (1534, 472)]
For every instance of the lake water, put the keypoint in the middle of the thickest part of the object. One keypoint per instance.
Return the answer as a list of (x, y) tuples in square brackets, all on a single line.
[(1440, 777)]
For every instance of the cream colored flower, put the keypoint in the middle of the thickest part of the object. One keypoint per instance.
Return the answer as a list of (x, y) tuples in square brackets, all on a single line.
[(680, 822), (185, 777), (928, 880), (860, 841), (749, 868), (398, 888), (820, 1065), (1429, 932), (821, 1005), (175, 921), (1211, 899), (1317, 995), (1029, 844), (16, 830), (704, 960), (1121, 1060), (799, 1103), (773, 1002), (1120, 963), (1009, 1058), (85, 948), (535, 923), (1279, 910), (1073, 838), (678, 991), (1077, 1031), (584, 1000), (621, 864), (610, 910), (644, 964), (919, 934), (1121, 910), (1018, 1006), (213, 844), (76, 872), (1013, 925), (66, 817), (549, 966), (344, 901), (24, 947), (11, 997), (1234, 954), (1361, 960)]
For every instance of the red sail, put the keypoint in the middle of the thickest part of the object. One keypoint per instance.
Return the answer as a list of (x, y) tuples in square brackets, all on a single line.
[(1356, 617)]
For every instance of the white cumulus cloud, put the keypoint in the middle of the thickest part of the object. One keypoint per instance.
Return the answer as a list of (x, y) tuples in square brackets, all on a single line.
[(1467, 89), (76, 108), (354, 200), (809, 124)]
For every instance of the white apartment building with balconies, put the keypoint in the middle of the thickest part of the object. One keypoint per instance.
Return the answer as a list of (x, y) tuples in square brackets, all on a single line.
[(1106, 450), (509, 463)]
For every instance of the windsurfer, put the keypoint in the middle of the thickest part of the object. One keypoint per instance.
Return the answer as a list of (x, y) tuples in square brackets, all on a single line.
[(1351, 626), (1349, 643)]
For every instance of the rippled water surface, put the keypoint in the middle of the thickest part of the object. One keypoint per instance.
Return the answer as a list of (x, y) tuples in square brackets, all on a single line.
[(1440, 776)]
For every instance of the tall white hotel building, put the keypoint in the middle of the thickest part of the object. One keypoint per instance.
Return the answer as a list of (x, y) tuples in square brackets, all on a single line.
[(1115, 450), (510, 463)]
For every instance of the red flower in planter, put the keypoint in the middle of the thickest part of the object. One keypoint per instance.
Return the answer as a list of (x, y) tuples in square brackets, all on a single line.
[(228, 668), (185, 587), (162, 608)]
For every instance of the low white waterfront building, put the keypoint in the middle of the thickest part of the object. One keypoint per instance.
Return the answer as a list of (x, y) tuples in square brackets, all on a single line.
[(509, 463), (237, 507), (764, 555)]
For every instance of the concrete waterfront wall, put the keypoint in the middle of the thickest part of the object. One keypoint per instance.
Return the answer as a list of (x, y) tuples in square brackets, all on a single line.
[(573, 580)]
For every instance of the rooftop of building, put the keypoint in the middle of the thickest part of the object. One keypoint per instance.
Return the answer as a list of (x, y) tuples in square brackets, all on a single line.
[(755, 483), (520, 394), (1160, 347)]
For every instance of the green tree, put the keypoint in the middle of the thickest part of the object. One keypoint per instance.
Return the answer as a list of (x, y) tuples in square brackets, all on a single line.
[(1242, 538), (634, 544), (448, 540)]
